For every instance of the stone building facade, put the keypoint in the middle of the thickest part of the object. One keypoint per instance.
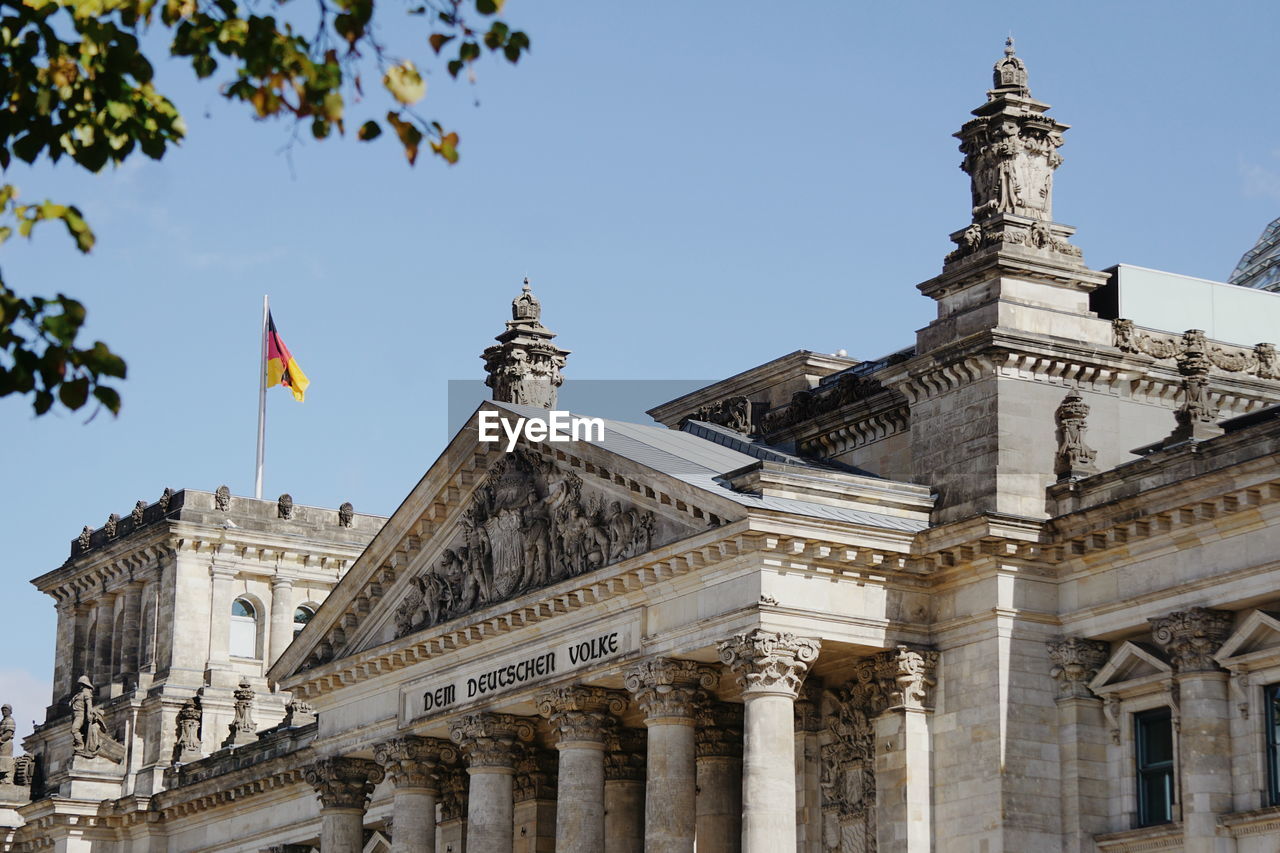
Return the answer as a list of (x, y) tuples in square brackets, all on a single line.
[(1013, 588)]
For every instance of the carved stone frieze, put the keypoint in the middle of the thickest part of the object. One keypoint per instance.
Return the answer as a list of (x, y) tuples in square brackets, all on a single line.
[(668, 690), (1075, 662), (1190, 637), (491, 740), (847, 774), (624, 755), (732, 412), (719, 730), (343, 783), (414, 762), (1259, 361), (769, 662), (581, 713), (805, 405), (528, 525), (1074, 458), (536, 775), (524, 366)]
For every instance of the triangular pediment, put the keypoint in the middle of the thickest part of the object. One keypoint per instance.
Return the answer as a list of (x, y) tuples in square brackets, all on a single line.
[(1132, 664), (487, 526), (1257, 637)]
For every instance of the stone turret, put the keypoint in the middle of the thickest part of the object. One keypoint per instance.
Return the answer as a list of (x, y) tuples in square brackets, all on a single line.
[(524, 366)]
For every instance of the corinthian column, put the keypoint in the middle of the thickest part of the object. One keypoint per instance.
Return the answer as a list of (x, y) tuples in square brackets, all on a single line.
[(719, 804), (1190, 638), (343, 786), (491, 744), (412, 764), (581, 717), (668, 692), (770, 668)]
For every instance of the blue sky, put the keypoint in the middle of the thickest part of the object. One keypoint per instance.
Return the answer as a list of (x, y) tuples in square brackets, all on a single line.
[(694, 188)]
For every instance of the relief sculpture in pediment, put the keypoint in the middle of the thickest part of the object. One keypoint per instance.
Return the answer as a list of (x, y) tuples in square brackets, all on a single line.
[(528, 525)]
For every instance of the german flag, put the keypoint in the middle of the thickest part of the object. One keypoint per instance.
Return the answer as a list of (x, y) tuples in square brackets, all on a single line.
[(281, 368)]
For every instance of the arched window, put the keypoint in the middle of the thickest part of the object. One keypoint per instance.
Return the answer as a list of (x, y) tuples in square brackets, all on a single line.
[(244, 629), (301, 617)]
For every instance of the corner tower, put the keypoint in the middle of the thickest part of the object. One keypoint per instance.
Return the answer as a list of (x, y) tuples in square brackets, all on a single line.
[(524, 366), (1013, 331)]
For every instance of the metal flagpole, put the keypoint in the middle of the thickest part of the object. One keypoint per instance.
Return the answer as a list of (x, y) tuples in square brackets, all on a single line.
[(262, 401)]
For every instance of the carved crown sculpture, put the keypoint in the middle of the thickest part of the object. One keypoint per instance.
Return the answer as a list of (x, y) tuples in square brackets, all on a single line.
[(524, 366), (1074, 458), (1010, 154)]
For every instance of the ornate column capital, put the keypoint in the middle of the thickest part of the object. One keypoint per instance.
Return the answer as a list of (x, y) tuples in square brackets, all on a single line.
[(581, 714), (624, 756), (904, 677), (719, 730), (343, 783), (667, 689), (491, 740), (1190, 637), (769, 662), (414, 762), (1075, 662)]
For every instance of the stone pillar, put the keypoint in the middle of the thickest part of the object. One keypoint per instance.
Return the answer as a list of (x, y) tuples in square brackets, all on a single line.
[(770, 669), (281, 616), (412, 764), (624, 762), (104, 622), (452, 834), (1202, 708), (223, 593), (668, 692), (149, 631), (1082, 742), (808, 767), (82, 660), (343, 786), (718, 746), (905, 678), (581, 717), (491, 744), (66, 653), (131, 636)]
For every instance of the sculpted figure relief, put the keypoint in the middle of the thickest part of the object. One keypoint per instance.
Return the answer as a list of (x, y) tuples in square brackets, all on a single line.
[(528, 525)]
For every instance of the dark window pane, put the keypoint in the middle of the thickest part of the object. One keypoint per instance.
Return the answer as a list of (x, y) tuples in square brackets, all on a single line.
[(1153, 736), (1271, 695), (1156, 739)]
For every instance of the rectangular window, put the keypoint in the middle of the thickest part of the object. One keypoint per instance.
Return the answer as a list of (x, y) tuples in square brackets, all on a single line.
[(1271, 696), (1153, 735)]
